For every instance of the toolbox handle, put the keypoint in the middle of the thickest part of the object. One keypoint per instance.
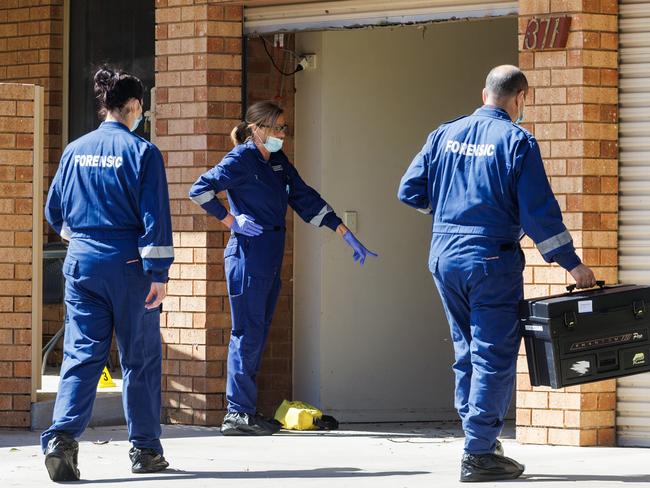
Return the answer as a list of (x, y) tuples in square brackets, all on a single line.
[(599, 283)]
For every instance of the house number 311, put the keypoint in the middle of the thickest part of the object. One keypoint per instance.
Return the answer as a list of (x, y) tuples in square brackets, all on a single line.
[(549, 33)]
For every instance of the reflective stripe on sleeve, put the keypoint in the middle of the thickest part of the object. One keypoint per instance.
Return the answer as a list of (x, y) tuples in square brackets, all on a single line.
[(66, 232), (203, 198), (554, 242), (156, 252), (318, 219), (425, 211)]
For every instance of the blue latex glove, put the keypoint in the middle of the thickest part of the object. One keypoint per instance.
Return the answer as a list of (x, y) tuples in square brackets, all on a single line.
[(245, 225), (360, 252)]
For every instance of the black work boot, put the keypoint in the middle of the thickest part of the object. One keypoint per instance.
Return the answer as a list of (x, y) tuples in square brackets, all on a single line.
[(236, 423), (489, 467), (146, 460), (61, 458)]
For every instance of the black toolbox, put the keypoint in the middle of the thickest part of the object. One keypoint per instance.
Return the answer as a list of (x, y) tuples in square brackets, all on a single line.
[(587, 335)]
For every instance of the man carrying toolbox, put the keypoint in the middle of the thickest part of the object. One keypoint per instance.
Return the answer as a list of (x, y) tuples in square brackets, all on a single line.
[(482, 178)]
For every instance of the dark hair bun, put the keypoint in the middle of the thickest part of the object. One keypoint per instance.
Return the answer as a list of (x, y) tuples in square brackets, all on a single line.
[(240, 133), (104, 79), (113, 88)]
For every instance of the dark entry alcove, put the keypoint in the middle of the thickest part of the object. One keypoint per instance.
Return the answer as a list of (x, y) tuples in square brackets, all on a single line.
[(120, 33)]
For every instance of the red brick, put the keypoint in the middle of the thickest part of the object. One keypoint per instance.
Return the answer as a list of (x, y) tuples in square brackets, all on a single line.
[(606, 437), (15, 385), (14, 419), (23, 369), (6, 402), (22, 403)]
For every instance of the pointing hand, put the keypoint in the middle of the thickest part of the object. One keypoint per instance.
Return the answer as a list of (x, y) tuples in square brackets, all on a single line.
[(360, 251)]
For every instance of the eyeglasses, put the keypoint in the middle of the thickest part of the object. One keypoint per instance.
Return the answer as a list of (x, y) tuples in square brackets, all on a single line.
[(276, 128)]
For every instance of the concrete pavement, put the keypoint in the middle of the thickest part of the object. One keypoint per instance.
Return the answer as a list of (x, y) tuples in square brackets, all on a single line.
[(358, 456)]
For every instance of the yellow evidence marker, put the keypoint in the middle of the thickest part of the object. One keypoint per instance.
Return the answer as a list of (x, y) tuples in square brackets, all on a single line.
[(105, 380)]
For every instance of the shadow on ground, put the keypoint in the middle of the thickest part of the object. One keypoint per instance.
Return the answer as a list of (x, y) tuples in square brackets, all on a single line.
[(603, 478), (405, 431), (339, 472)]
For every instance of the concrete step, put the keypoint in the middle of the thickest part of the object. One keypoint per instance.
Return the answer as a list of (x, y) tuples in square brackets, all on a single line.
[(107, 409)]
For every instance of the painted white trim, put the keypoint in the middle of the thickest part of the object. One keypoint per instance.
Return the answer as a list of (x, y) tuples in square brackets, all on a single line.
[(37, 239), (65, 96), (359, 13)]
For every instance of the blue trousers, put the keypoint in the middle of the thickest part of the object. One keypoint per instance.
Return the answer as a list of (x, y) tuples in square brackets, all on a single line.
[(105, 291), (252, 268), (480, 285)]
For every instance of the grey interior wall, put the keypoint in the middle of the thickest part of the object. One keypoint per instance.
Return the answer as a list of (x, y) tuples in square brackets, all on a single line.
[(372, 343), (308, 255)]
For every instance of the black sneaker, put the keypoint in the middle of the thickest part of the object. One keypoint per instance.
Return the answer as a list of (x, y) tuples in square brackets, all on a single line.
[(235, 423), (146, 460), (489, 467), (61, 458)]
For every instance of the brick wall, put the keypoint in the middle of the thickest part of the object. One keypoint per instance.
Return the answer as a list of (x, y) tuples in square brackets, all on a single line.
[(572, 110), (31, 51), (17, 124), (199, 100), (198, 80)]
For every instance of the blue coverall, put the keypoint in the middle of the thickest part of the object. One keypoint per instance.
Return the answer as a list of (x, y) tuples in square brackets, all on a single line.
[(109, 198), (261, 189), (482, 179)]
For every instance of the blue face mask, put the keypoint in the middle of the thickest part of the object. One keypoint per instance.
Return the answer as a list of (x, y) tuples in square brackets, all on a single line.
[(136, 123), (273, 144)]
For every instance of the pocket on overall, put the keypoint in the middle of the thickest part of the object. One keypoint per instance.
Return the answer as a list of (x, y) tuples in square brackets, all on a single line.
[(258, 306), (71, 267), (233, 266), (133, 267), (506, 262), (259, 283)]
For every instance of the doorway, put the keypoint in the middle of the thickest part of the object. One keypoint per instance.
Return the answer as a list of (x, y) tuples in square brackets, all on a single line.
[(372, 344), (119, 33)]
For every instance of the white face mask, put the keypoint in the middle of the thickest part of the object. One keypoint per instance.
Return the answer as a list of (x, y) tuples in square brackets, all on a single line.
[(136, 123), (273, 144)]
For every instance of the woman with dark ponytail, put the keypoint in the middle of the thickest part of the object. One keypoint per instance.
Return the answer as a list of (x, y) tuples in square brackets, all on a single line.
[(261, 183), (109, 199)]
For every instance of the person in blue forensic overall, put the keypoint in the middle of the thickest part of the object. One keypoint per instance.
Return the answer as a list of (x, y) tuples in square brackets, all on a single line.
[(109, 199), (482, 179), (260, 183)]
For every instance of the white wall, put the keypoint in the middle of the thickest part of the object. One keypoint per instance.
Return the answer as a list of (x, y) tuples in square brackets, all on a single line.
[(372, 343)]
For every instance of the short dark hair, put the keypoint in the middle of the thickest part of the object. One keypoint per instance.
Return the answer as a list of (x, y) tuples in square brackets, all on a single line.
[(506, 81), (113, 88)]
